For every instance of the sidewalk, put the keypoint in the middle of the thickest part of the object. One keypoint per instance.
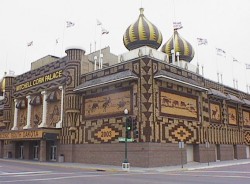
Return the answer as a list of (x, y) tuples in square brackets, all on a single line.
[(110, 168)]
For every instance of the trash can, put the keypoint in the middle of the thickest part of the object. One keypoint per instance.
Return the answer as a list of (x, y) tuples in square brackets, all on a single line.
[(9, 154), (61, 158)]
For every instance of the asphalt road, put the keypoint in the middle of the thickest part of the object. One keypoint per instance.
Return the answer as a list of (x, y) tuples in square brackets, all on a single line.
[(23, 173)]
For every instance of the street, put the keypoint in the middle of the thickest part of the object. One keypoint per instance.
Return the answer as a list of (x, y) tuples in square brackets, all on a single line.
[(23, 173)]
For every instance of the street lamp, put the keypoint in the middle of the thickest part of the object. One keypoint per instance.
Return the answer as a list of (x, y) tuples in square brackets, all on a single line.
[(126, 135)]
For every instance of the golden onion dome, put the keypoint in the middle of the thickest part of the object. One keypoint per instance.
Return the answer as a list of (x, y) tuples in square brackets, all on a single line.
[(2, 86), (142, 33), (182, 46)]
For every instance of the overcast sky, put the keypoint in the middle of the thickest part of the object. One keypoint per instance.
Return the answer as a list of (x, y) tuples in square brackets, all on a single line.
[(224, 23)]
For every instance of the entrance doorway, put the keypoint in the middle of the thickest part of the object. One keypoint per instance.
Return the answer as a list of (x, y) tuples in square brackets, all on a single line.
[(21, 148), (190, 153), (53, 153), (235, 151), (36, 151), (217, 152), (248, 151)]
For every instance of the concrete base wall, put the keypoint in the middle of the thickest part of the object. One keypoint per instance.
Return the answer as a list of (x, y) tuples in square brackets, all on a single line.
[(203, 154), (241, 151), (226, 152), (139, 154)]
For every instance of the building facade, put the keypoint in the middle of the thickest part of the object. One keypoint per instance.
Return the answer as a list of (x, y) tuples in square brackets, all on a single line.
[(74, 107)]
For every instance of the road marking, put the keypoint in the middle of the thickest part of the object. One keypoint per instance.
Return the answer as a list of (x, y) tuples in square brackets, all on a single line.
[(24, 173), (237, 172), (65, 177), (37, 174), (205, 175)]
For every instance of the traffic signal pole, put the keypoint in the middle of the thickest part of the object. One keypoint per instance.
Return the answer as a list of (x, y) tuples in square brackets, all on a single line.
[(125, 164), (126, 141)]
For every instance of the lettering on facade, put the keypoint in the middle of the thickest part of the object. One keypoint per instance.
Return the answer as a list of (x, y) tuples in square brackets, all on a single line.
[(106, 134), (46, 78), (22, 135)]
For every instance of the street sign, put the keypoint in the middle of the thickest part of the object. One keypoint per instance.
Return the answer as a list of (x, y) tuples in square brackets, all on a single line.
[(122, 139), (207, 145), (181, 144)]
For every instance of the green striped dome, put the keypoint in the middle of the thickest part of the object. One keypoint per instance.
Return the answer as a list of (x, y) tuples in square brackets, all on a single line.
[(184, 48), (142, 33)]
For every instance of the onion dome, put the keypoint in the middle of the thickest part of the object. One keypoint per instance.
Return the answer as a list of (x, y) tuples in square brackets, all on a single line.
[(184, 48), (2, 86), (142, 33)]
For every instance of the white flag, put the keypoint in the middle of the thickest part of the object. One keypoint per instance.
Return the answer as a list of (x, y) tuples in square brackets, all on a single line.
[(247, 66), (220, 52), (98, 22), (69, 24), (177, 25), (11, 72), (104, 31), (30, 44), (202, 41), (235, 60)]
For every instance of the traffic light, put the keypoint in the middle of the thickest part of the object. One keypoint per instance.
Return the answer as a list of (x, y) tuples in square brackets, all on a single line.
[(135, 129), (128, 134), (134, 124), (129, 123)]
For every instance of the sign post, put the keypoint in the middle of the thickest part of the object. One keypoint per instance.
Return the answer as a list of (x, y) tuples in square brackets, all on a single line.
[(181, 146), (207, 146), (125, 164)]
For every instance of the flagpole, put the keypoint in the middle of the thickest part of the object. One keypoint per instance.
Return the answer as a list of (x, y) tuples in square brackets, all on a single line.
[(198, 57), (218, 77), (100, 50), (64, 28), (25, 53), (246, 77), (174, 47)]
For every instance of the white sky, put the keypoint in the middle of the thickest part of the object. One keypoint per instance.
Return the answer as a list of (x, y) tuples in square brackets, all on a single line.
[(224, 23)]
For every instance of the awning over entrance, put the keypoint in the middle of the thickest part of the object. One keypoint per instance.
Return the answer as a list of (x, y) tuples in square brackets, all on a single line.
[(47, 134), (167, 76), (246, 102), (234, 99), (216, 93), (107, 80)]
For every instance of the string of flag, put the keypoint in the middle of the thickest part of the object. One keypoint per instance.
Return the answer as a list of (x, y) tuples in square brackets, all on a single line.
[(177, 25)]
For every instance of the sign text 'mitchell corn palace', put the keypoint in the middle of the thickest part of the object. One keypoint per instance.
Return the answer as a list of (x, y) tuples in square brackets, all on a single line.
[(40, 80)]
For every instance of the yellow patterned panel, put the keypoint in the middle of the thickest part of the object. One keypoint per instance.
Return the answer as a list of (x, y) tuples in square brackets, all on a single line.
[(105, 105), (178, 105), (246, 118), (232, 118), (215, 112), (106, 134)]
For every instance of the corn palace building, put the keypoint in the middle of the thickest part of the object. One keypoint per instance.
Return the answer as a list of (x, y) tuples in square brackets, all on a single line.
[(73, 107)]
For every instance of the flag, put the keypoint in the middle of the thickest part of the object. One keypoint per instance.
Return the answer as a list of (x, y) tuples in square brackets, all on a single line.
[(104, 31), (235, 60), (177, 25), (11, 72), (220, 52), (247, 66), (202, 41), (30, 44), (98, 22), (69, 24)]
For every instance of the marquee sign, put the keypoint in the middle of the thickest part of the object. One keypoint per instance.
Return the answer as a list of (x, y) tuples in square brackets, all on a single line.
[(40, 80), (28, 134)]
